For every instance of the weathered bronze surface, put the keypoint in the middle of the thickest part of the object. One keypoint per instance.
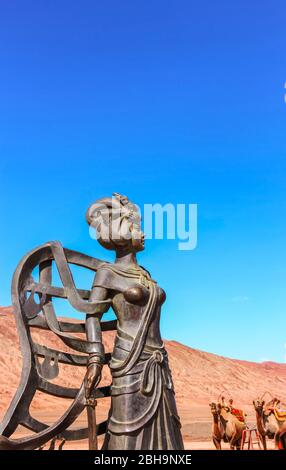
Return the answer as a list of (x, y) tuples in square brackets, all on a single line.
[(143, 413)]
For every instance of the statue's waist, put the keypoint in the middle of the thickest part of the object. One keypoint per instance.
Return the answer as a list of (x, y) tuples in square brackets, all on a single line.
[(124, 343), (143, 375)]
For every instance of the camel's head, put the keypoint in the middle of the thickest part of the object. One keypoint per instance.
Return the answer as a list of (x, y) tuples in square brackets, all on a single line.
[(214, 410), (222, 407), (268, 408), (258, 405)]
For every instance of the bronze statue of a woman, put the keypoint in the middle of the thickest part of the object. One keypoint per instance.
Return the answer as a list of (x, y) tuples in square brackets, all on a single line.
[(143, 412)]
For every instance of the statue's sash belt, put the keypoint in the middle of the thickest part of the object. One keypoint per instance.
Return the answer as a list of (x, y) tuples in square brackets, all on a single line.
[(146, 392), (152, 363)]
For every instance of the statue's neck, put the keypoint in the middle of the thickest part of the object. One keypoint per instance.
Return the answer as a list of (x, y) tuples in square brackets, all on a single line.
[(126, 259)]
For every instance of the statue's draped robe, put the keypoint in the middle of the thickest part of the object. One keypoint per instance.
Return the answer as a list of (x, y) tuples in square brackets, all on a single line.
[(143, 412)]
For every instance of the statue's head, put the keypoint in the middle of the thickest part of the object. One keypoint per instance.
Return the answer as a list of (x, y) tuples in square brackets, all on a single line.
[(117, 222)]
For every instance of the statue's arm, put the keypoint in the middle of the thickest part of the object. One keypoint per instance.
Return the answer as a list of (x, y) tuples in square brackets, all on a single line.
[(94, 334)]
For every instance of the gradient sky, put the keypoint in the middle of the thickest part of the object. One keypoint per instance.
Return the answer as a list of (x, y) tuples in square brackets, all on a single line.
[(176, 101)]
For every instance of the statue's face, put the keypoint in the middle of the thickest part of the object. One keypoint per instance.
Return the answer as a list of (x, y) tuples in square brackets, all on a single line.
[(132, 232), (138, 239)]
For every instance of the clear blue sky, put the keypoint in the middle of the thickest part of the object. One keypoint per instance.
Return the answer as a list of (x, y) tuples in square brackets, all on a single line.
[(165, 101)]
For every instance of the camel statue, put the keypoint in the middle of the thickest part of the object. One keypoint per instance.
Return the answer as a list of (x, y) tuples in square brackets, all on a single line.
[(271, 420), (226, 426)]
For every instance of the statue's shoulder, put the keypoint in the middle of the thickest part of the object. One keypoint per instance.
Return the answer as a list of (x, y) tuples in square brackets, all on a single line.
[(145, 270), (105, 276), (111, 276)]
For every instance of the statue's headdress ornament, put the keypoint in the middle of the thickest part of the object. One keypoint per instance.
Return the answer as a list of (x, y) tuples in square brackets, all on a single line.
[(112, 218)]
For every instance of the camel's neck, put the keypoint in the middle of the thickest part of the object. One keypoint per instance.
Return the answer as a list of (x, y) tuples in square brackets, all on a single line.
[(260, 424), (273, 423), (215, 418), (216, 426), (223, 419)]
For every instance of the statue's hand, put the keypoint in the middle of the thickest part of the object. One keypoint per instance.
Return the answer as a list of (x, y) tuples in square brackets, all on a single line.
[(92, 378)]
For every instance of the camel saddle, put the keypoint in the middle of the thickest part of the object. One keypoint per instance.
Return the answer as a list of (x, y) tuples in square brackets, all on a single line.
[(239, 414), (279, 410)]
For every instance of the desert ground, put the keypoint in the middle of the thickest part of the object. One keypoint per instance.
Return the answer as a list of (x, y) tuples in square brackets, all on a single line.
[(199, 378)]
